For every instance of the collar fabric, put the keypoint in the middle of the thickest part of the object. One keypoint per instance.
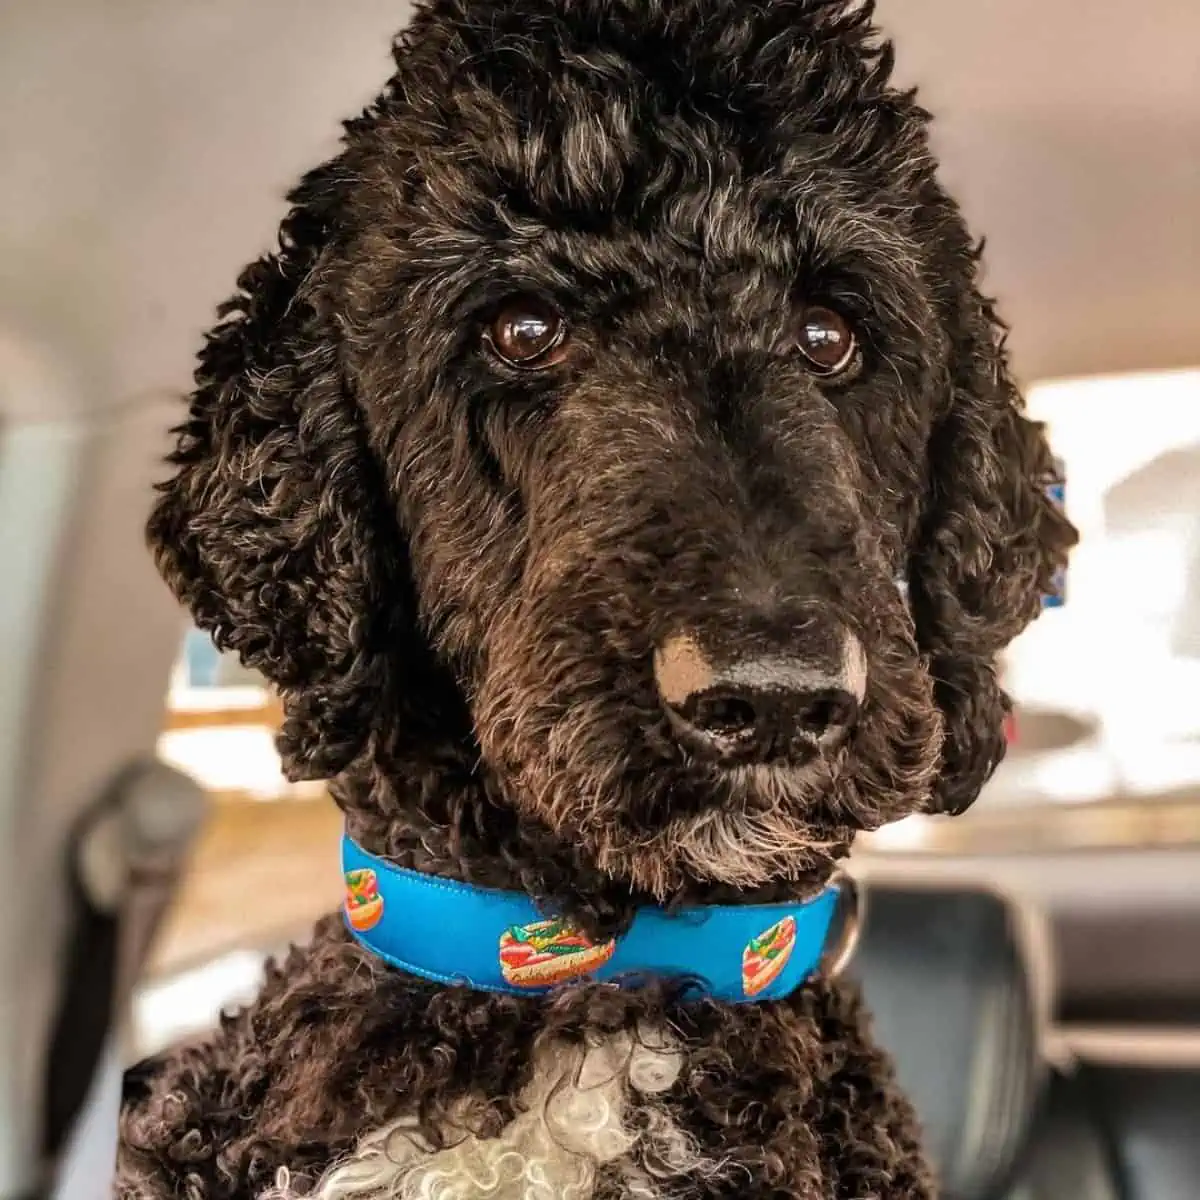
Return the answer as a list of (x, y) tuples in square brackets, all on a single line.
[(495, 941)]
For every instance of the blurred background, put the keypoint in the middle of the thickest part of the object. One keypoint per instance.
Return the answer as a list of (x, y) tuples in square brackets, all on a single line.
[(152, 853)]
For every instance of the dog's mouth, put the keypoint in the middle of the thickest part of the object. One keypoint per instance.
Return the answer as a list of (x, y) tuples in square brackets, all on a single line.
[(797, 780), (741, 848), (743, 827)]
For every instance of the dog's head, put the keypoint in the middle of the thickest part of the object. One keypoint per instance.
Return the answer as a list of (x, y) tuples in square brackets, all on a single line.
[(621, 403)]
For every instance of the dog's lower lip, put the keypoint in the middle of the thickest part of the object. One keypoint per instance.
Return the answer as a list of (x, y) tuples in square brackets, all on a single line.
[(788, 770)]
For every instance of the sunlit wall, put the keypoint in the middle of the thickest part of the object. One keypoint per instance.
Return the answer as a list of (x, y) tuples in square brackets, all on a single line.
[(1124, 649)]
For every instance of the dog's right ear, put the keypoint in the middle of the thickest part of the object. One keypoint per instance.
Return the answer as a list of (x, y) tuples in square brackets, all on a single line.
[(273, 529)]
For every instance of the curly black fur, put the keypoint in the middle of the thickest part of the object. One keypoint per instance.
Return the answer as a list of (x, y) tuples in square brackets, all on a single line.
[(456, 573), (794, 1095)]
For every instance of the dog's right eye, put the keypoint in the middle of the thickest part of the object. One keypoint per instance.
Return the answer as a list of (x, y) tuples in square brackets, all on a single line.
[(825, 339), (527, 333)]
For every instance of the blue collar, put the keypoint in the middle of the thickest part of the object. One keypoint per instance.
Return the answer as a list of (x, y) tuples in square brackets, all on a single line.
[(461, 935)]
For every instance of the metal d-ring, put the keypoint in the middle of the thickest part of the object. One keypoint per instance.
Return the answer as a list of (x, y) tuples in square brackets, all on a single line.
[(847, 920)]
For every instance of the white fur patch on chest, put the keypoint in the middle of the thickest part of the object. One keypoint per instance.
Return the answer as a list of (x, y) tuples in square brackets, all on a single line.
[(585, 1109)]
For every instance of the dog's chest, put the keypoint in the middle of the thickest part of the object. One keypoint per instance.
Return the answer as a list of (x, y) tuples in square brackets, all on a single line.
[(592, 1122)]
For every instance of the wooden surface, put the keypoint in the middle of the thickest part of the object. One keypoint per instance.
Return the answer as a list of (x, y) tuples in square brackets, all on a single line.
[(268, 713), (262, 871)]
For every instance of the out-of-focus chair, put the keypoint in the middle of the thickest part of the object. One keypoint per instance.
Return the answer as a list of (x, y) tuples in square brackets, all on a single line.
[(957, 977)]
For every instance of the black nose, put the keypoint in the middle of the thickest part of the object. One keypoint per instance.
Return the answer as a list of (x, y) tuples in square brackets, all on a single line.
[(765, 708)]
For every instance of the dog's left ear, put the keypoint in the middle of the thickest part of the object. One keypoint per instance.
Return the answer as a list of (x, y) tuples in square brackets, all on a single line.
[(272, 529), (992, 540)]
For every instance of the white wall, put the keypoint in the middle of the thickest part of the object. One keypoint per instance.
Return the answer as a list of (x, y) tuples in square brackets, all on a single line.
[(144, 146), (1072, 132)]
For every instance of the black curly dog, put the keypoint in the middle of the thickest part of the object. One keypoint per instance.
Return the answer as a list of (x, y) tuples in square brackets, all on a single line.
[(618, 472)]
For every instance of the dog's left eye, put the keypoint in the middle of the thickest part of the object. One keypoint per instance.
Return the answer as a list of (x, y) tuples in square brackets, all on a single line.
[(528, 333), (825, 339)]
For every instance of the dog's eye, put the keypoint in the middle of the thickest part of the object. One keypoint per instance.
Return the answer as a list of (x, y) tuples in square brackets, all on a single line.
[(528, 333), (825, 339)]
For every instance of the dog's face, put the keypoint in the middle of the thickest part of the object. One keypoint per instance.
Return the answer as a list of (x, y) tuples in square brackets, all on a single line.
[(626, 379)]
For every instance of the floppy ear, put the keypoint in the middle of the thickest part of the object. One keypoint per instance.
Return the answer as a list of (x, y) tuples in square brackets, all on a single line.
[(273, 529), (991, 542)]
